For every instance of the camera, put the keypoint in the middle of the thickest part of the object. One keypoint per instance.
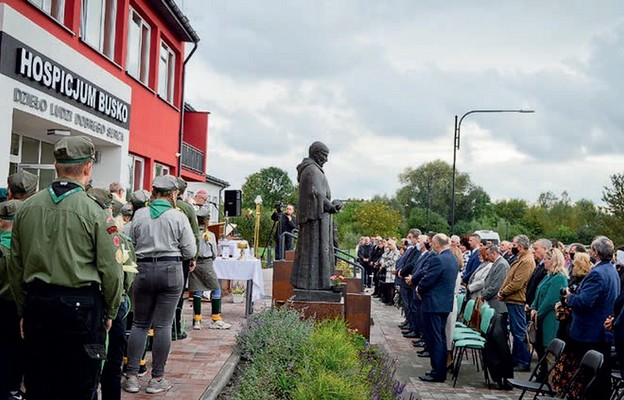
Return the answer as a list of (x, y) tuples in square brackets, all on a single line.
[(278, 205), (563, 292)]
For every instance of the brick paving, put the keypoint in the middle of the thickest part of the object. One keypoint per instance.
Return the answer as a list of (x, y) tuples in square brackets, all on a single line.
[(470, 384), (195, 361)]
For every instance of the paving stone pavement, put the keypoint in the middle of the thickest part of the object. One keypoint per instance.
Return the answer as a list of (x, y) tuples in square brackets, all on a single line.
[(470, 384), (194, 362)]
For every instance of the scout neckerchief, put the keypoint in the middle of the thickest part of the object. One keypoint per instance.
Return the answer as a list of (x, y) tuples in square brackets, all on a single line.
[(60, 190), (5, 239), (158, 207)]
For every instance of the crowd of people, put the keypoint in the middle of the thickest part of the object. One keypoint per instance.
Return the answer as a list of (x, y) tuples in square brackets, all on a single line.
[(567, 292), (81, 267)]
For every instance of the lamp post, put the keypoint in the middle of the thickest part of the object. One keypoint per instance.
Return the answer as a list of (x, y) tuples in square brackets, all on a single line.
[(456, 147), (258, 202)]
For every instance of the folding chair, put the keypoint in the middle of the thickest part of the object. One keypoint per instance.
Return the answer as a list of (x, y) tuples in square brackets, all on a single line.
[(618, 385), (591, 363), (532, 385)]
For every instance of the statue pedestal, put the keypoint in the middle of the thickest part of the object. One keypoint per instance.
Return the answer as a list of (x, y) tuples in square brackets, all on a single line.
[(318, 310), (282, 289), (326, 296)]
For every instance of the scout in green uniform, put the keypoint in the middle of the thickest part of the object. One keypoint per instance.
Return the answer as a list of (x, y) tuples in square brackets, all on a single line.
[(204, 276), (21, 185), (70, 287), (111, 373), (178, 331), (11, 343)]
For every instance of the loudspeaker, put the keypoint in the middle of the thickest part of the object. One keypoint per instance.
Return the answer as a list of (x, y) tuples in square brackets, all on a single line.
[(232, 202)]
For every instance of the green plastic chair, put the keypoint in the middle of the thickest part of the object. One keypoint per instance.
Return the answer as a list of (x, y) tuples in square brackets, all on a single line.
[(467, 314), (469, 333), (476, 345)]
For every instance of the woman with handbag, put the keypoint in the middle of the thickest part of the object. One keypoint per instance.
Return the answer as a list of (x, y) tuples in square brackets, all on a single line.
[(543, 307)]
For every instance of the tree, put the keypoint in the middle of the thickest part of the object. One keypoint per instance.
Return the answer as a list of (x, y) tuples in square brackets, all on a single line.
[(366, 218), (427, 222), (512, 210), (273, 184), (614, 195), (429, 187)]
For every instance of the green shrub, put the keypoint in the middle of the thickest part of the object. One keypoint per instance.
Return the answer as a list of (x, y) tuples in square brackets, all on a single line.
[(326, 385), (273, 340), (291, 358), (331, 368)]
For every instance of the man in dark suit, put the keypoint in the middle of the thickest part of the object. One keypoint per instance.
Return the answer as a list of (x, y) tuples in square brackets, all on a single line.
[(404, 266), (592, 303), (364, 253), (412, 280), (437, 291), (473, 262)]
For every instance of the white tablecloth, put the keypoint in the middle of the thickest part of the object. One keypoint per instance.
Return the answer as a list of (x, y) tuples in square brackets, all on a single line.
[(241, 270)]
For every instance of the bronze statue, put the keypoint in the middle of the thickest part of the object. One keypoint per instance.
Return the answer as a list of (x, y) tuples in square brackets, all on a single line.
[(314, 260)]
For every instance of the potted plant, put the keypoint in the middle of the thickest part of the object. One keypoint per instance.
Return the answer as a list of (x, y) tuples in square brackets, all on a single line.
[(337, 281), (238, 293)]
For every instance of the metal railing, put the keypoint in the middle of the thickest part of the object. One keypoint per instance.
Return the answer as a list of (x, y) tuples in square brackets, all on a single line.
[(192, 158), (355, 265)]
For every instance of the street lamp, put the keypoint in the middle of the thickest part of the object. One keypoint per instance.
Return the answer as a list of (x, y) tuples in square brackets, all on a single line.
[(456, 147), (258, 202)]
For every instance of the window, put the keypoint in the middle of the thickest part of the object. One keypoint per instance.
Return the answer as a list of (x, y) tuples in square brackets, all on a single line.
[(166, 69), (54, 8), (33, 156), (98, 25), (138, 47), (135, 168), (160, 169)]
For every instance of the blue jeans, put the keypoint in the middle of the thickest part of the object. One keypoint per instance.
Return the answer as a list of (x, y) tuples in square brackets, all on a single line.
[(517, 324)]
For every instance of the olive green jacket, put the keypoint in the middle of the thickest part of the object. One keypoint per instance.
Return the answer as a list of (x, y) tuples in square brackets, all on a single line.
[(189, 211), (5, 286), (69, 243)]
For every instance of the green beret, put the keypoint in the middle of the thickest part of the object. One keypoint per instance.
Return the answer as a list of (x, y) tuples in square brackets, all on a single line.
[(165, 183), (116, 207), (74, 150), (140, 198), (22, 182), (102, 196), (9, 208), (126, 210), (181, 184)]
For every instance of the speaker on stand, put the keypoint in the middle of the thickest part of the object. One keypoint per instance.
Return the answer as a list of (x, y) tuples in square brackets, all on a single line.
[(232, 202)]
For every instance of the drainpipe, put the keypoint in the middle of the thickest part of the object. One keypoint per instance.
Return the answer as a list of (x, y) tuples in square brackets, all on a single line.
[(181, 138)]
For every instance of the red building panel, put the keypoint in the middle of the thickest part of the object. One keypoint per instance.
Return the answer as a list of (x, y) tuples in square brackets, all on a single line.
[(154, 123)]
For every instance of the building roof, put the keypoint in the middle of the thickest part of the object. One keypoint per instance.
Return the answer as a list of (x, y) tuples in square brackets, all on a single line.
[(176, 20), (216, 181)]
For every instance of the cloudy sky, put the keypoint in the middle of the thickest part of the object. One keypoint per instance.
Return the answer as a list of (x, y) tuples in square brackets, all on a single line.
[(380, 82)]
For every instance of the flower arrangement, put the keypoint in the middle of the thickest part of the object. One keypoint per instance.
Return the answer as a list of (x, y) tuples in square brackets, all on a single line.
[(238, 288), (345, 267), (338, 280)]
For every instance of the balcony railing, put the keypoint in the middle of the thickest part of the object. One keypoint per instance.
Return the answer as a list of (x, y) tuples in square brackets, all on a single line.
[(192, 158)]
